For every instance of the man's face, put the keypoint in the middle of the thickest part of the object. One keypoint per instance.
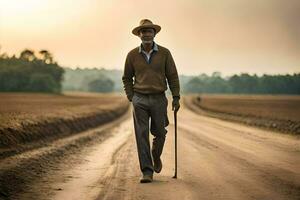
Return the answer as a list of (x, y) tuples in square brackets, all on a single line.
[(147, 35)]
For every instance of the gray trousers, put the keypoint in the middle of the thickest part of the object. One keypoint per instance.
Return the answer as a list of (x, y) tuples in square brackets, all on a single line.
[(149, 107)]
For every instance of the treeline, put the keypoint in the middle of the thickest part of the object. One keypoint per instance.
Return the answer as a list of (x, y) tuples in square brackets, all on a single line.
[(92, 80), (38, 72), (79, 79), (30, 72), (244, 84)]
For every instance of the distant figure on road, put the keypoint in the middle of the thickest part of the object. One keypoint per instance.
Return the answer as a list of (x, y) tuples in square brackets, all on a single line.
[(147, 70)]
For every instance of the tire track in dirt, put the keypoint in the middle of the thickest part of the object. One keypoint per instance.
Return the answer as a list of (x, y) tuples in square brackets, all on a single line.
[(19, 173), (217, 160)]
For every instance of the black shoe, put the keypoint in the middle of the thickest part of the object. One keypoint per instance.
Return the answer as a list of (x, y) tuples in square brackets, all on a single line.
[(157, 165), (147, 178)]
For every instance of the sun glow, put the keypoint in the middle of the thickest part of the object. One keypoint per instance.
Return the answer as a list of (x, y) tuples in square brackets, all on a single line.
[(35, 17), (28, 7), (21, 15), (226, 36)]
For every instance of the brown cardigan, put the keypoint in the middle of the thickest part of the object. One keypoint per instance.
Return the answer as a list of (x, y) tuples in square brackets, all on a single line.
[(150, 78)]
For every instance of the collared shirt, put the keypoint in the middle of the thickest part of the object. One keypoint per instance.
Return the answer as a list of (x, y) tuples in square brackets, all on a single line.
[(148, 55)]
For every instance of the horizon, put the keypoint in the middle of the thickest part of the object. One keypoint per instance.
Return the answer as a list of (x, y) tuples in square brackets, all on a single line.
[(208, 74)]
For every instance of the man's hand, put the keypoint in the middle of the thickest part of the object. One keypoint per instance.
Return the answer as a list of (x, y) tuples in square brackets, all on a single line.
[(175, 103)]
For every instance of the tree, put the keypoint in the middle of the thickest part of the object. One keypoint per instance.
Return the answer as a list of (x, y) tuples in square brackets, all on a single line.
[(46, 56), (27, 73), (195, 85), (102, 84), (27, 54), (42, 83)]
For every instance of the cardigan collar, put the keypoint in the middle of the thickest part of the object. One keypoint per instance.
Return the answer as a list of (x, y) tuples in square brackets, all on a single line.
[(155, 47)]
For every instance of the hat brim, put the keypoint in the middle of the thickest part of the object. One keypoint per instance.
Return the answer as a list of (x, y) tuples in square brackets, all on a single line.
[(135, 31)]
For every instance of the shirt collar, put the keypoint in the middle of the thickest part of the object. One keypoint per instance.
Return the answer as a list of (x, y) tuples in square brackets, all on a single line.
[(155, 47)]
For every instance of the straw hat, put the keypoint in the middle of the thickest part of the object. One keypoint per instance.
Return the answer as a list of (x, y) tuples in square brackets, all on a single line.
[(146, 23)]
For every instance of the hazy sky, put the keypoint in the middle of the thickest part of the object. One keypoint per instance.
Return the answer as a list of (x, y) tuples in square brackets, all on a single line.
[(230, 36)]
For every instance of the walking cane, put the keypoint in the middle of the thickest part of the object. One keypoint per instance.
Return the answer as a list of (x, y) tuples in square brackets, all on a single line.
[(175, 121)]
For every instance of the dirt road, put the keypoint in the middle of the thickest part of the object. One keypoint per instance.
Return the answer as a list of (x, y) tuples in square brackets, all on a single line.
[(217, 160)]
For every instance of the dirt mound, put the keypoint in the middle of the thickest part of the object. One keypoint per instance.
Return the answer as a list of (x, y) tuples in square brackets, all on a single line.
[(31, 135), (277, 123)]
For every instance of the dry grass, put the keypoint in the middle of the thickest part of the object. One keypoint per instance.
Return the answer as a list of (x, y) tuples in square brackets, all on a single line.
[(265, 106)]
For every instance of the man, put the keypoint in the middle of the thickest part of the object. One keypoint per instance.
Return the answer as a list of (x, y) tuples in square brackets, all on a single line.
[(147, 70)]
